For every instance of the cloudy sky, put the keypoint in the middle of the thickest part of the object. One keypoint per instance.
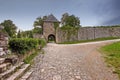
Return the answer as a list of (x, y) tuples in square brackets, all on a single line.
[(91, 12)]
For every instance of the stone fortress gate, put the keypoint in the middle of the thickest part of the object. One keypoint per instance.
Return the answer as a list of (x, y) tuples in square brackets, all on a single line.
[(49, 32), (83, 33)]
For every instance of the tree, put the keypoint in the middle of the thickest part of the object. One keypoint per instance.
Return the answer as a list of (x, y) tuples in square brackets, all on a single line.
[(19, 34), (63, 19), (39, 21), (70, 20), (10, 28), (30, 34), (37, 30), (56, 25), (27, 34)]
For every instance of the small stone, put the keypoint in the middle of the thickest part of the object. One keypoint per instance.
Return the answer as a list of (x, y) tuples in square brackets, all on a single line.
[(52, 68), (2, 53), (1, 49), (72, 79), (57, 77), (70, 73), (42, 70), (78, 77)]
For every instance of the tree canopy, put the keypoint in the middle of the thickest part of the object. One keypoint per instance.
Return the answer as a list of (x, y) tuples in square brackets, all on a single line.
[(9, 27), (38, 24), (37, 30), (39, 21), (70, 20), (26, 34), (19, 34)]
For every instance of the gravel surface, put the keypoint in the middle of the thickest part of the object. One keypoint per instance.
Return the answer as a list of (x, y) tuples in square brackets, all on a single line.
[(72, 62)]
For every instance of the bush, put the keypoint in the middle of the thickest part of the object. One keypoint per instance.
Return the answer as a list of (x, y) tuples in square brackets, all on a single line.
[(22, 45), (42, 42)]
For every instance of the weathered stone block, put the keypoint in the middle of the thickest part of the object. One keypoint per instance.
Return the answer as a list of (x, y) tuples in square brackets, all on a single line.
[(1, 49), (2, 60), (4, 67), (12, 60), (2, 53)]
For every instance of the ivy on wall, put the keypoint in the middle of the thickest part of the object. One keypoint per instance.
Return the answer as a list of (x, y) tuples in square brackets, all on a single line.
[(56, 25), (70, 31)]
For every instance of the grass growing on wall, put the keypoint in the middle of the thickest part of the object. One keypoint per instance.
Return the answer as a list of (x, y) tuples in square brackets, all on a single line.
[(112, 56), (82, 41)]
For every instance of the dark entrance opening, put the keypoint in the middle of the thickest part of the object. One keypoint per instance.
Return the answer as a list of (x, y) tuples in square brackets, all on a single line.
[(51, 38)]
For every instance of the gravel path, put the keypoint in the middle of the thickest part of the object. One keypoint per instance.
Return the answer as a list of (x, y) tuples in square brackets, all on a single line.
[(72, 62)]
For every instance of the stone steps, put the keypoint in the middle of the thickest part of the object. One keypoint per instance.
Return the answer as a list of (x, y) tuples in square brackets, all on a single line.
[(2, 60), (26, 76), (19, 73), (10, 71), (4, 67), (1, 51)]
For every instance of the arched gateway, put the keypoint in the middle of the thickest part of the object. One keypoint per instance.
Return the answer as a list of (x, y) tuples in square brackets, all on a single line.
[(51, 37), (49, 28)]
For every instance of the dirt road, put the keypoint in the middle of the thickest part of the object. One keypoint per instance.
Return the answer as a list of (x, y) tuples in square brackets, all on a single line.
[(72, 62)]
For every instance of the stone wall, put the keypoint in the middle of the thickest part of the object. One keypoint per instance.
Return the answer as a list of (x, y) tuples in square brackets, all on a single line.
[(64, 35), (87, 33), (3, 44)]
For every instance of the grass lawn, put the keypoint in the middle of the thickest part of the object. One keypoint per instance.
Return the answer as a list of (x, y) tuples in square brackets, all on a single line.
[(112, 56), (82, 41)]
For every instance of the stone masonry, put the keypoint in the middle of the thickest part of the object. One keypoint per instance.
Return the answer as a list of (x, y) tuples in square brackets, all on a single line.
[(48, 29), (48, 26), (3, 42), (88, 33), (84, 33)]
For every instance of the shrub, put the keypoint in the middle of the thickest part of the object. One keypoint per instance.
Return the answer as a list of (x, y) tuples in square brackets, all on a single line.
[(22, 45), (42, 42)]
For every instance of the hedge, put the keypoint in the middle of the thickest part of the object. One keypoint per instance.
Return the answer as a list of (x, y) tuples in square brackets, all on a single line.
[(22, 45)]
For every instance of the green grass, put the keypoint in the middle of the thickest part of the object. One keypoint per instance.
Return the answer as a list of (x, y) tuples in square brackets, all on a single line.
[(29, 59), (82, 41), (43, 42), (112, 56)]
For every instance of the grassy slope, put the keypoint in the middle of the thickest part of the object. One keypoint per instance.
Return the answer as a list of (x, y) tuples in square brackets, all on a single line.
[(112, 56)]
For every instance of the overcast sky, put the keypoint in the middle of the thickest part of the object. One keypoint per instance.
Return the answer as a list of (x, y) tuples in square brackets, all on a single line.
[(91, 12)]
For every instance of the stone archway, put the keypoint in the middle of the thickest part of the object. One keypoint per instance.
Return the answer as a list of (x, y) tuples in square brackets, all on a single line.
[(51, 38)]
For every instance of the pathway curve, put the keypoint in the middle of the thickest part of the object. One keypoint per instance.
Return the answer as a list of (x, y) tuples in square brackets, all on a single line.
[(72, 62)]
